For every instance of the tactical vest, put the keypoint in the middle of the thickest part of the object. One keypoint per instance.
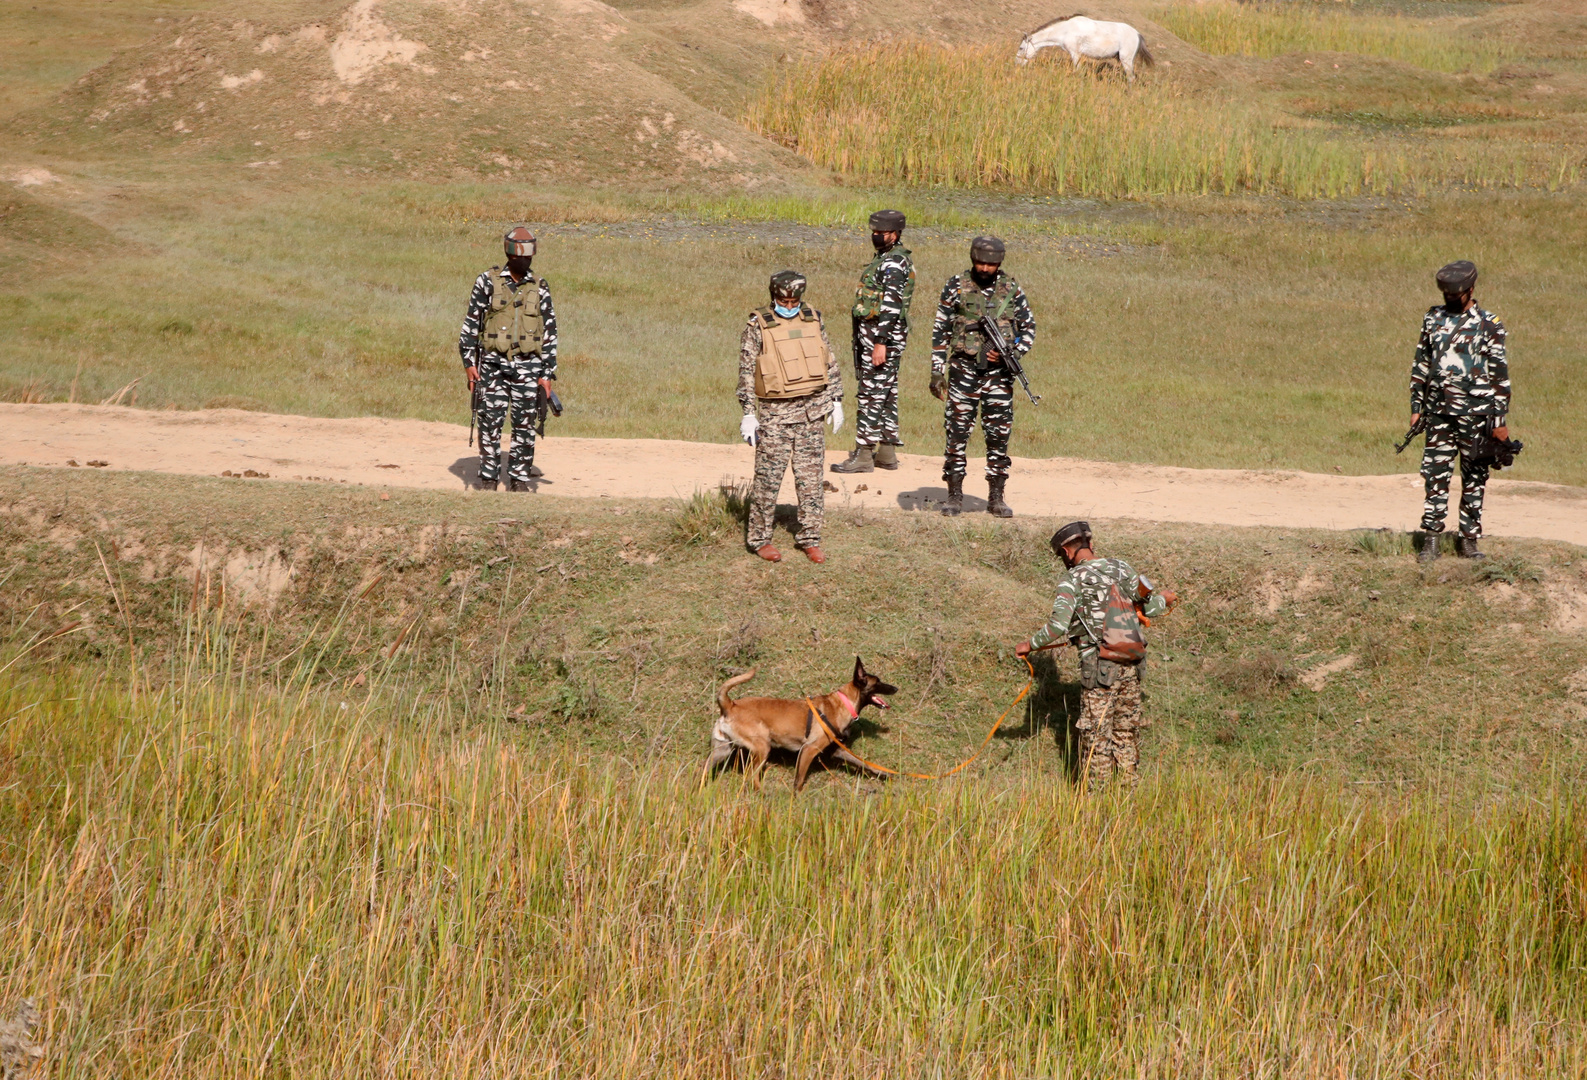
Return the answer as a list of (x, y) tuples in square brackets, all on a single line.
[(512, 323), (868, 299), (793, 355), (965, 336)]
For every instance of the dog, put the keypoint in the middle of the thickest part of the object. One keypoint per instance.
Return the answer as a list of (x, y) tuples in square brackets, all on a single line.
[(755, 725)]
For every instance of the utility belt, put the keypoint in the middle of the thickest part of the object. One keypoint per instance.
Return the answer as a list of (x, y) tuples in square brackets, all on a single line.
[(973, 362), (1096, 672)]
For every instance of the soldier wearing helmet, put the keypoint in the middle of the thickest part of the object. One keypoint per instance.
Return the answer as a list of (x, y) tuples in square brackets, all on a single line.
[(789, 384), (1099, 609), (1460, 384), (967, 373), (509, 350), (881, 330)]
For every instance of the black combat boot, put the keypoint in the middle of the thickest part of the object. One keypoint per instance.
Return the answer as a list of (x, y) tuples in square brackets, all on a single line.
[(955, 504), (1466, 548), (862, 460), (487, 485), (518, 485), (886, 456), (1429, 550), (994, 498)]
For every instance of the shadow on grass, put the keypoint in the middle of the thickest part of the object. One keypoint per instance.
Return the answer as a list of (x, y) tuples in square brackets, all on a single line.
[(1052, 705)]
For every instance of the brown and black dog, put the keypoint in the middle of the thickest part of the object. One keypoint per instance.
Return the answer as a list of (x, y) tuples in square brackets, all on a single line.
[(755, 725)]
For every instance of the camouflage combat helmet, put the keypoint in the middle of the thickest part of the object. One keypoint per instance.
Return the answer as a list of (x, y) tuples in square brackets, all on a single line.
[(787, 284), (887, 221), (987, 249), (1457, 277), (519, 242), (1076, 532)]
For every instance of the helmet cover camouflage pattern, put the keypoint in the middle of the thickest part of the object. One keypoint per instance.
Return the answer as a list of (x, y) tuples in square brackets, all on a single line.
[(987, 249), (1076, 532), (519, 242), (887, 221), (788, 285), (1457, 277)]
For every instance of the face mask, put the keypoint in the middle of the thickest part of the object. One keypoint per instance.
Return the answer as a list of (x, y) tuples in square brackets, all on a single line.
[(981, 279), (786, 312), (879, 241)]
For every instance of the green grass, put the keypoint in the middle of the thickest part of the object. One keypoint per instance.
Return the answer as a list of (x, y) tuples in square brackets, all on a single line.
[(1268, 29)]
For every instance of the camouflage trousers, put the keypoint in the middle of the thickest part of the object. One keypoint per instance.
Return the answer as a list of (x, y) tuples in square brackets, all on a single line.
[(507, 385), (1448, 436), (875, 389), (993, 391), (1109, 719), (804, 445)]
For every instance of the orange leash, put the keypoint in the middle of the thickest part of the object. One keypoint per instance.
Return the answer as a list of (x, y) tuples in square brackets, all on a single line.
[(931, 776)]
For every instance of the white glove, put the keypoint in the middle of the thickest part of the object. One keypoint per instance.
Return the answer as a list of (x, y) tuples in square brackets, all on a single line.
[(837, 417), (748, 426)]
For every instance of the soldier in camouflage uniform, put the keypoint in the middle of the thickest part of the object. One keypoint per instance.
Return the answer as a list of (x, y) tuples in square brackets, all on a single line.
[(1110, 695), (967, 373), (783, 422), (509, 348), (881, 329), (1460, 382)]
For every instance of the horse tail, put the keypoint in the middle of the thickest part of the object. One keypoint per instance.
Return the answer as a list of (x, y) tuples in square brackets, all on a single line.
[(1143, 54)]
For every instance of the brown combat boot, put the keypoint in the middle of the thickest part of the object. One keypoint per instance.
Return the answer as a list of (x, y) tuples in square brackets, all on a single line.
[(994, 498), (1466, 548), (862, 460), (769, 553), (1429, 550), (487, 485), (814, 553), (518, 485), (955, 504), (886, 456)]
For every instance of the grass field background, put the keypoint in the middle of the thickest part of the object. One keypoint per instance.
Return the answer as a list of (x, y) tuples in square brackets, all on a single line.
[(430, 802)]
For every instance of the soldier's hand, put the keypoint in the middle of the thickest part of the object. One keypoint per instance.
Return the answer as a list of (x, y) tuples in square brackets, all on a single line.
[(1022, 650), (545, 384), (939, 386), (878, 355), (993, 356), (1502, 432), (473, 377)]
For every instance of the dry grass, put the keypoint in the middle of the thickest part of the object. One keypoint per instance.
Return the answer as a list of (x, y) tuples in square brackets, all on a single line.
[(1269, 29)]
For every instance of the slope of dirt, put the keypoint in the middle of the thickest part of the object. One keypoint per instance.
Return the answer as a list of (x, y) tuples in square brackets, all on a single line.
[(542, 91), (419, 454)]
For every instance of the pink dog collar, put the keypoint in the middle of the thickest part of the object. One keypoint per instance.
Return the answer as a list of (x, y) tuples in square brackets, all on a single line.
[(854, 713)]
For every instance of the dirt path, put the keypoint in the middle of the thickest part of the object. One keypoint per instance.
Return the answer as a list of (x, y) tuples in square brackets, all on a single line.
[(413, 453)]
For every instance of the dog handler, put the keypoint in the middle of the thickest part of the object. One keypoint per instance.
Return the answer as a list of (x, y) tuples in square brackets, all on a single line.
[(509, 347), (789, 384), (1098, 608)]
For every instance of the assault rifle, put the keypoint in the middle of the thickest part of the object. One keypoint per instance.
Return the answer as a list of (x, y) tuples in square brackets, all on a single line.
[(1416, 429), (473, 410), (545, 399), (992, 337)]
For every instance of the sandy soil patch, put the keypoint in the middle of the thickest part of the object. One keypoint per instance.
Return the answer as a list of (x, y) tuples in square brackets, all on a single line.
[(1317, 677), (265, 447)]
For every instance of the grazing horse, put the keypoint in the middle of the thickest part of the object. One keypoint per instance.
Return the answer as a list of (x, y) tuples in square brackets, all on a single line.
[(1079, 36)]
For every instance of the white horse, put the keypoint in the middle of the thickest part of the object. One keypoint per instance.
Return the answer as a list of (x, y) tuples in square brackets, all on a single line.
[(1079, 36)]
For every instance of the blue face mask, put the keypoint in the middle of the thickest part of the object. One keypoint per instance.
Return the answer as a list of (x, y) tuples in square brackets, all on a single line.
[(786, 312)]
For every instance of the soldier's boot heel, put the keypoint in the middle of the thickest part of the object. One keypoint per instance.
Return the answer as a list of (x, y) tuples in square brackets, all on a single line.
[(1466, 548), (1429, 550), (994, 498), (518, 485), (862, 460), (487, 485), (886, 456), (955, 504)]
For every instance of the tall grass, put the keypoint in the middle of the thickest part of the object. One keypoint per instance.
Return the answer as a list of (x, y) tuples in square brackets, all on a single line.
[(932, 115), (217, 879), (1268, 29)]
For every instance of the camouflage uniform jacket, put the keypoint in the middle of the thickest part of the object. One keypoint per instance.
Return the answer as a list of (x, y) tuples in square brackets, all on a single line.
[(948, 316), (811, 407), (485, 287), (886, 308), (1460, 367), (1081, 605)]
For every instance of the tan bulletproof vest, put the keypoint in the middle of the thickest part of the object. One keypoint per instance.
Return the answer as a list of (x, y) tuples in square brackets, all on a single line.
[(513, 324), (793, 355)]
